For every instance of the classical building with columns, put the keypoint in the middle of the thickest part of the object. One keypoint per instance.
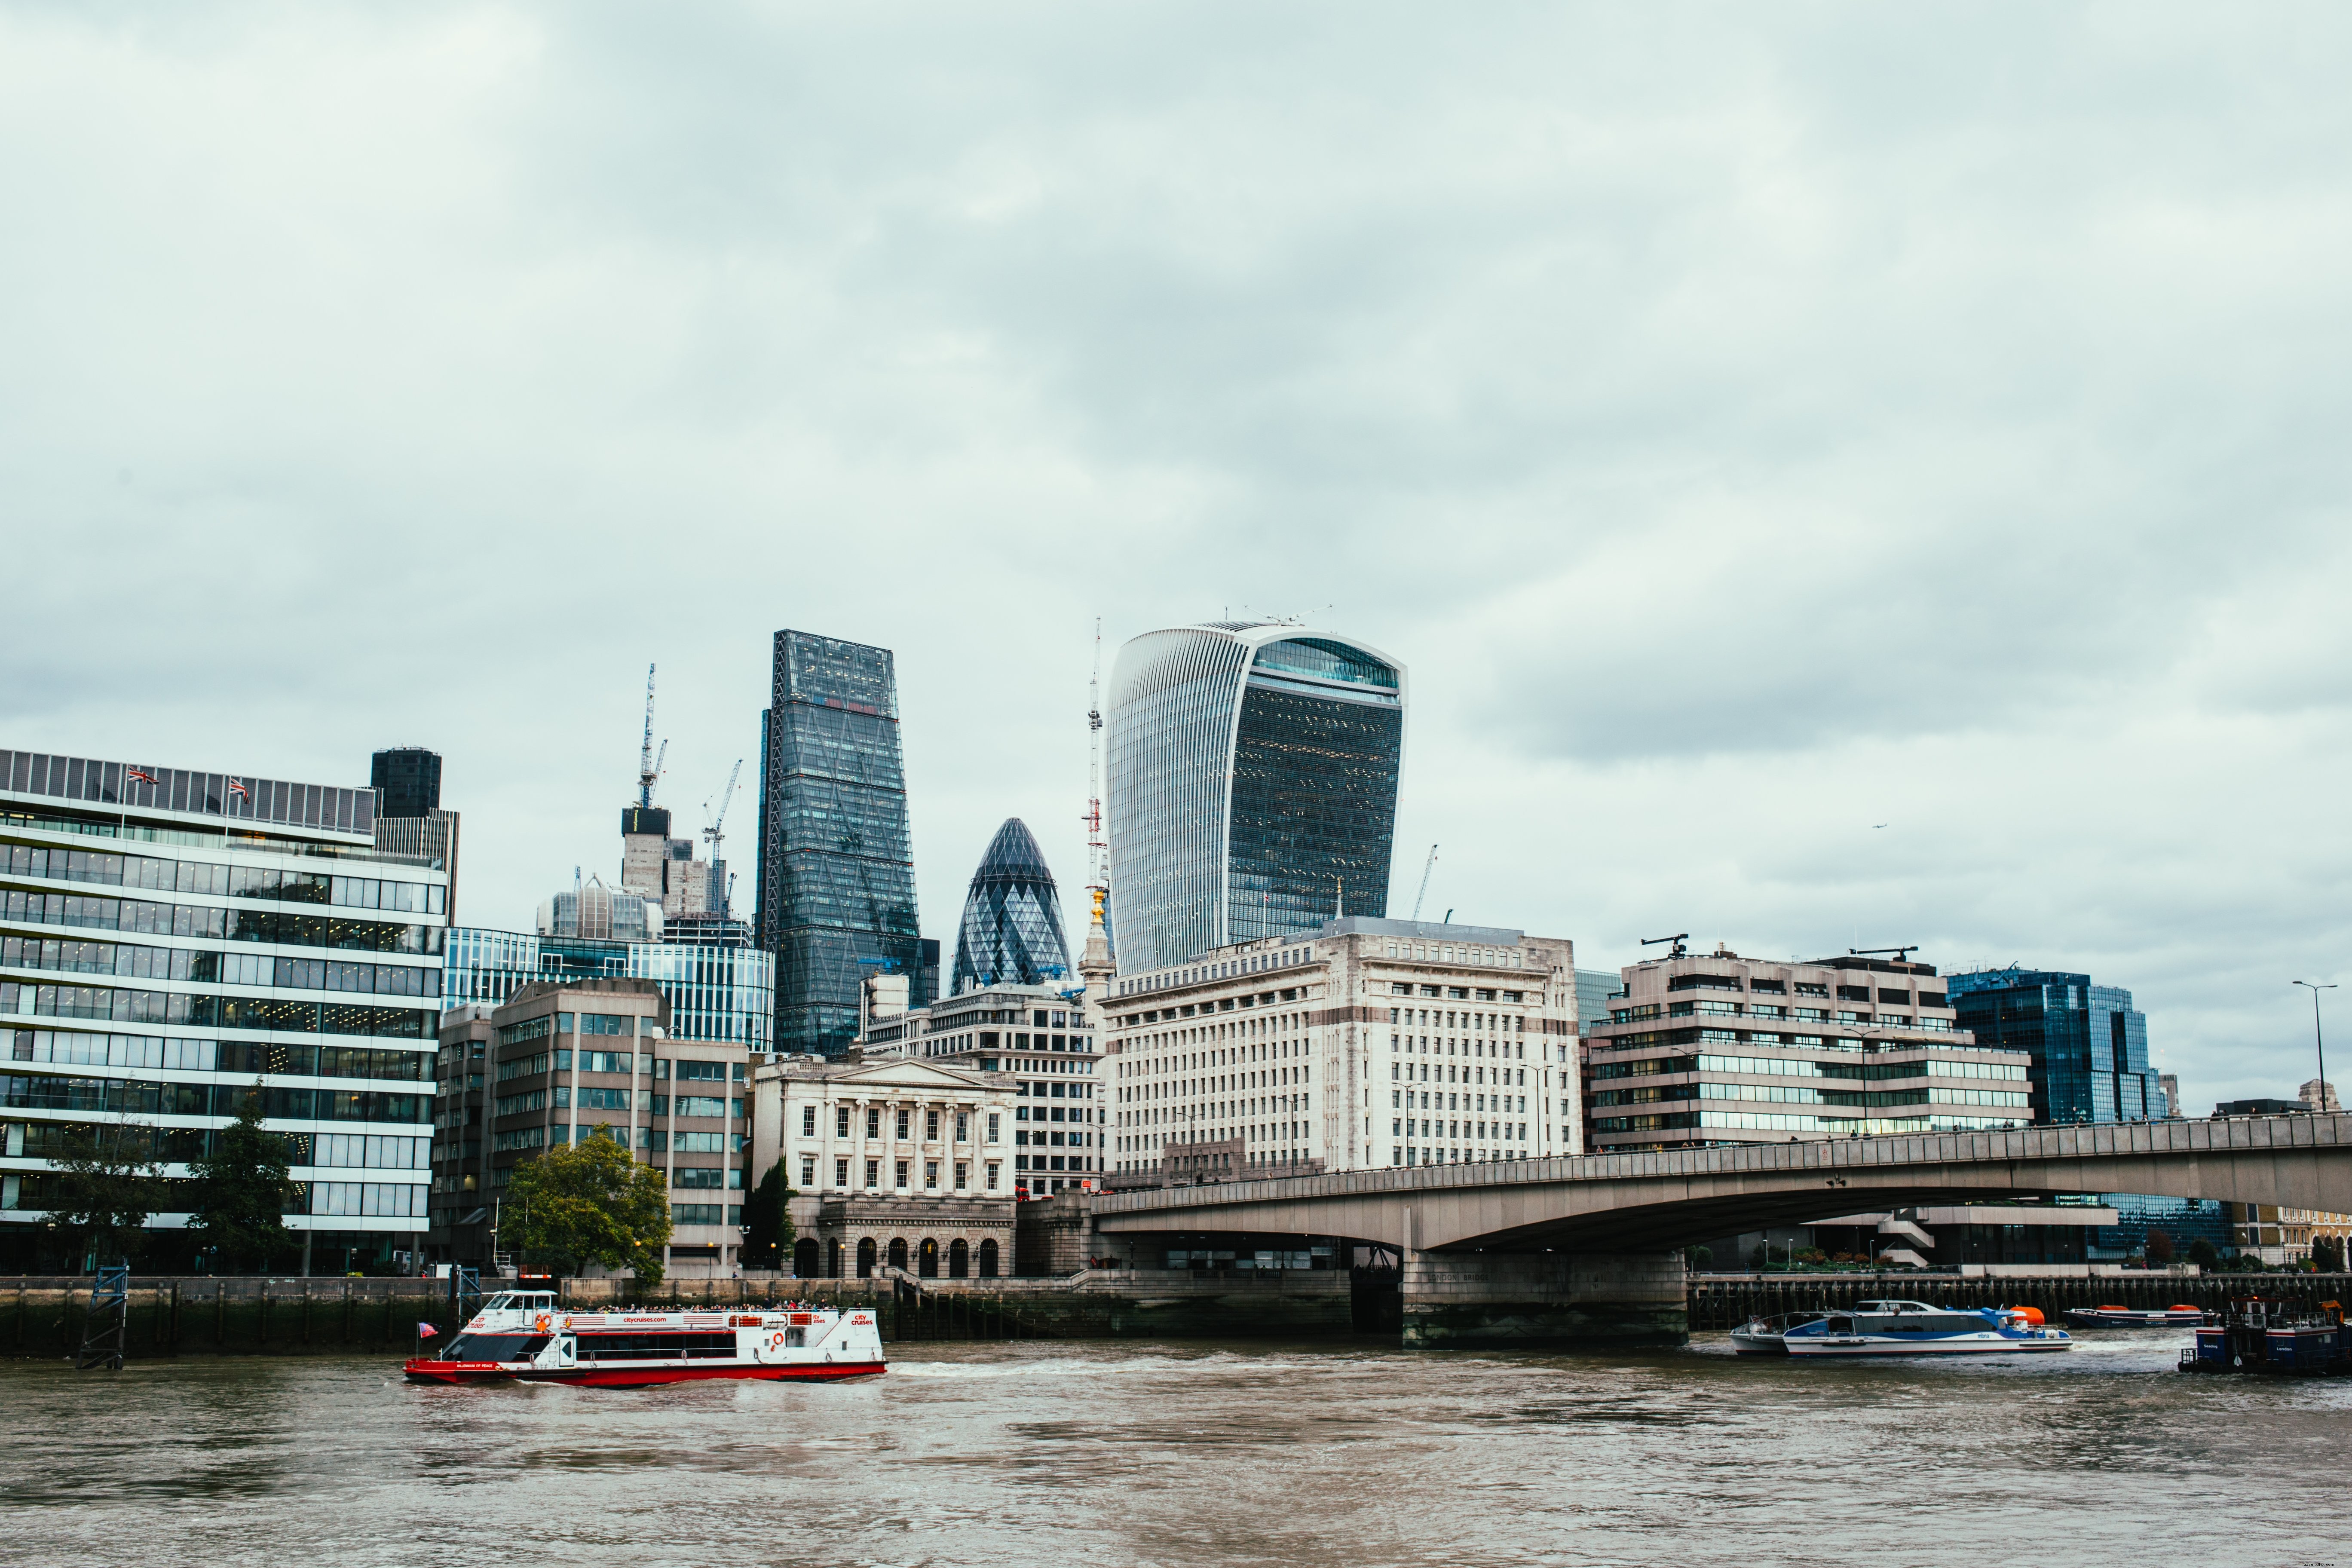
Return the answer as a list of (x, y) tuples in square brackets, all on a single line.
[(889, 1150), (1363, 1044)]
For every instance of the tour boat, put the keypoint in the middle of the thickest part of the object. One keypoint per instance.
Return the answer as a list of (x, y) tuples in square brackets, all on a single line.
[(521, 1336), (1762, 1336), (2135, 1318), (1915, 1328)]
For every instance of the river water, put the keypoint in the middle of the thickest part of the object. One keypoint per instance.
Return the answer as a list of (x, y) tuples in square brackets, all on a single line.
[(1126, 1453)]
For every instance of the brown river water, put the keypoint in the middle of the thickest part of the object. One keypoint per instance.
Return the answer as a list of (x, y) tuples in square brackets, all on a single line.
[(1191, 1453)]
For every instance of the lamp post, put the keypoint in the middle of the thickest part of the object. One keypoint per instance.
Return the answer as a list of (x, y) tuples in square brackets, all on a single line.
[(2318, 1043)]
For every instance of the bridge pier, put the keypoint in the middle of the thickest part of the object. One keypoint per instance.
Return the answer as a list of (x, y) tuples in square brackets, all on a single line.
[(1585, 1301)]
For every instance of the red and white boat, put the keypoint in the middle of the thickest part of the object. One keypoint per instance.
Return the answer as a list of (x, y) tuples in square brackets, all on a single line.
[(521, 1336)]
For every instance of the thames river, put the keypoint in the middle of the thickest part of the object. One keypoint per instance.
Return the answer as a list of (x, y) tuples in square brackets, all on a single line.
[(1114, 1454)]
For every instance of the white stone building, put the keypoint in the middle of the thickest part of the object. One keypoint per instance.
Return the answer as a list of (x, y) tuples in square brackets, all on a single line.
[(1365, 1044), (892, 1126)]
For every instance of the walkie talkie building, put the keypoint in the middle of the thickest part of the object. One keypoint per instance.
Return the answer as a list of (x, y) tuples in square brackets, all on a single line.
[(1253, 783)]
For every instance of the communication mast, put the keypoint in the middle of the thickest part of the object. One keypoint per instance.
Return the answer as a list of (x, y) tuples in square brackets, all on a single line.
[(1098, 846)]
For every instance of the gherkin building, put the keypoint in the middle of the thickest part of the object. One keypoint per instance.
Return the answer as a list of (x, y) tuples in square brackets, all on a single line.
[(1012, 931)]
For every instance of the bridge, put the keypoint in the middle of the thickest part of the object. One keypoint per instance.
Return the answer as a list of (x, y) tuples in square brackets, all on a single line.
[(1587, 1250)]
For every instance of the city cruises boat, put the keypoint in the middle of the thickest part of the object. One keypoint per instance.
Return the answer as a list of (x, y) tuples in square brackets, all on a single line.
[(521, 1336), (1915, 1328), (1761, 1335), (2138, 1318)]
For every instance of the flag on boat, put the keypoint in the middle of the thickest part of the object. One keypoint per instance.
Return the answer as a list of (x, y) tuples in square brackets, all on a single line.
[(426, 1330)]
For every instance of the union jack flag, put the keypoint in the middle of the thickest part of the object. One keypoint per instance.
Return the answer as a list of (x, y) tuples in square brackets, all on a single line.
[(237, 786), (141, 775)]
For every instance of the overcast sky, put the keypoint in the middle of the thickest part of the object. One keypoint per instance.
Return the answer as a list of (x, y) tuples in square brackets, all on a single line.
[(1749, 428)]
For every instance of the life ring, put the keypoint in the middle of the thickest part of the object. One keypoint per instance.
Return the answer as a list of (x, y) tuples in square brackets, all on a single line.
[(776, 1341), (542, 1325)]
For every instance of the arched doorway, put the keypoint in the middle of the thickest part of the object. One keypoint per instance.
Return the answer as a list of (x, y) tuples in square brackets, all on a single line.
[(898, 1252), (988, 1259), (927, 1259), (865, 1257), (959, 1258), (805, 1258), (833, 1259)]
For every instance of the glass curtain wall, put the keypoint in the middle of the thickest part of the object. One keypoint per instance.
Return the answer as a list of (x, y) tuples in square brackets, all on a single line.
[(836, 863), (1012, 930)]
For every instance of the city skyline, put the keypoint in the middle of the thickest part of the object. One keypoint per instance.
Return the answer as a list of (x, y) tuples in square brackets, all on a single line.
[(1750, 456)]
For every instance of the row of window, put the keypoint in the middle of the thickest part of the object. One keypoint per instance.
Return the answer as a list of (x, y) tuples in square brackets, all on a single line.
[(564, 1098), (1805, 1067), (933, 1122), (137, 962), (76, 1048), (286, 928), (122, 1006), (902, 1170), (210, 879), (176, 1145), (135, 1097)]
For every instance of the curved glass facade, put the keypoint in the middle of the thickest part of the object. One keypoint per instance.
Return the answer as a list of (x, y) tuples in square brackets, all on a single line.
[(1012, 931), (1253, 775)]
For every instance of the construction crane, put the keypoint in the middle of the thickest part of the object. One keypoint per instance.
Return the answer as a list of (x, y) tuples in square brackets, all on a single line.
[(1427, 867), (650, 766), (726, 797), (1098, 846), (1677, 951), (1900, 952)]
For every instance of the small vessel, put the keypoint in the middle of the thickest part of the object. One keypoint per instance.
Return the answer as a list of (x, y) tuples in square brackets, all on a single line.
[(521, 1336), (1761, 1335), (2263, 1333), (1915, 1328), (2138, 1318)]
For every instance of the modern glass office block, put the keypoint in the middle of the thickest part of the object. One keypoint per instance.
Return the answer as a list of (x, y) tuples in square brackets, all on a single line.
[(1254, 773), (1012, 928), (837, 899), (2089, 1045)]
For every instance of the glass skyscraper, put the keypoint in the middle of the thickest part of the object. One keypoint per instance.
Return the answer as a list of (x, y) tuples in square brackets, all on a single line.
[(176, 945), (2088, 1044), (717, 990), (1012, 930), (837, 863), (1253, 775)]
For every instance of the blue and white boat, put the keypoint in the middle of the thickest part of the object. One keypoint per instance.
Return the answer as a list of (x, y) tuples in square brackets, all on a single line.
[(1915, 1328)]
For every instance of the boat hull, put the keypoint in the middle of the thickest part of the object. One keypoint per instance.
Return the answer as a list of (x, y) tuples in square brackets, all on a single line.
[(638, 1376), (2092, 1318), (1831, 1349)]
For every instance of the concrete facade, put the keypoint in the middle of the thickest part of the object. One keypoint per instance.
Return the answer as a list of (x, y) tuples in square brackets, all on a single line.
[(1306, 1049), (894, 1127), (1471, 1300), (858, 1236)]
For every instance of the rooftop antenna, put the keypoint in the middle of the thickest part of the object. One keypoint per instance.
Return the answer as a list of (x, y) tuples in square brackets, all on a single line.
[(1426, 868), (649, 770), (1677, 951)]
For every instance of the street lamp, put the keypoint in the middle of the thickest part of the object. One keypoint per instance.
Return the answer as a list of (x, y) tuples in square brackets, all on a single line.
[(2320, 1104)]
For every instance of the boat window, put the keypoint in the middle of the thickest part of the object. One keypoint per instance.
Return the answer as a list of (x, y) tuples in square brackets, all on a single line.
[(495, 1347), (697, 1346), (795, 1339), (1840, 1325)]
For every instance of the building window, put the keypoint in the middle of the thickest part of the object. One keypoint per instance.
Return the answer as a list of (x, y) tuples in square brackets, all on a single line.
[(808, 1121), (991, 1177), (873, 1173), (808, 1170), (905, 1120), (930, 1127), (963, 1177), (841, 1175), (873, 1123), (963, 1131), (993, 1137), (902, 1173), (932, 1176)]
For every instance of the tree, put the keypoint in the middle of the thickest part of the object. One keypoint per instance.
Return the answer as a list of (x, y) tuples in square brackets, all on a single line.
[(2327, 1255), (1697, 1257), (242, 1191), (101, 1188), (768, 1222), (590, 1202), (2203, 1254), (2159, 1249)]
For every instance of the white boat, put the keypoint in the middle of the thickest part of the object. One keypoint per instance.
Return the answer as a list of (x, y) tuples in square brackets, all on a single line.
[(1762, 1336), (1915, 1328), (521, 1336)]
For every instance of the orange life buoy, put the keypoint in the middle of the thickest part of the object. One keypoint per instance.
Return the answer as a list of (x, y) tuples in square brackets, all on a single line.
[(542, 1325), (776, 1341)]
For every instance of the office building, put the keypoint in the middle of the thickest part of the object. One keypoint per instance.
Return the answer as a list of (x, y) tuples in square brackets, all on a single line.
[(2169, 1084), (904, 1162), (561, 1062), (1040, 1040), (1703, 1049), (1252, 786), (406, 781), (1596, 992), (1361, 1045), (716, 992), (836, 898), (663, 869), (2087, 1046), (170, 937), (1010, 934), (596, 913)]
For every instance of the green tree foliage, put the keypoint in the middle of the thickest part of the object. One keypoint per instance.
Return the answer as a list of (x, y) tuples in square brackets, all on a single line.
[(2203, 1254), (101, 1188), (768, 1222), (1697, 1257), (590, 1202), (2159, 1249), (242, 1191)]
